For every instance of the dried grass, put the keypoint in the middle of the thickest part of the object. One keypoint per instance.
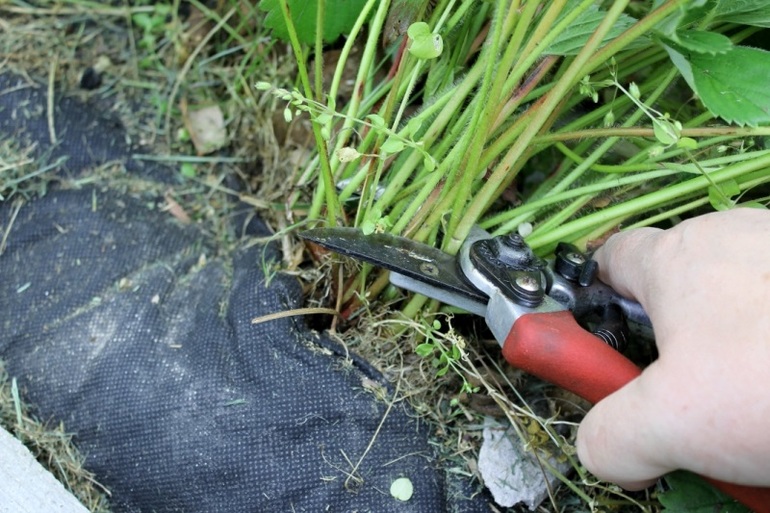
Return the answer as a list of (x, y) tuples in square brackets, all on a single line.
[(52, 446), (544, 417)]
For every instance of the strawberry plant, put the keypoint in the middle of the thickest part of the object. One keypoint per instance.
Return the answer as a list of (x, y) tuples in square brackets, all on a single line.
[(564, 120)]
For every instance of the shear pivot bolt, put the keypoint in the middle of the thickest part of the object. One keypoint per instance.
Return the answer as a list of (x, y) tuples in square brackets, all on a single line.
[(527, 283), (513, 241)]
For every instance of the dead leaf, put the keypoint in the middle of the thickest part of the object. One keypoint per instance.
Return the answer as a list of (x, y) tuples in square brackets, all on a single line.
[(206, 125), (594, 244), (175, 209)]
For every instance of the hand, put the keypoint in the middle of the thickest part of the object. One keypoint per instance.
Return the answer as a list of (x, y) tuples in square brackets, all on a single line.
[(704, 404)]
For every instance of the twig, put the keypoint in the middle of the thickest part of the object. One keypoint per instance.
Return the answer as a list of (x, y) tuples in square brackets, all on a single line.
[(14, 212), (50, 102), (195, 159), (338, 305), (377, 431), (90, 9), (292, 313)]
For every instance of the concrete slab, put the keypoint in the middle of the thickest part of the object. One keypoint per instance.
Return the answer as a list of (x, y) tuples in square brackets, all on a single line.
[(26, 487)]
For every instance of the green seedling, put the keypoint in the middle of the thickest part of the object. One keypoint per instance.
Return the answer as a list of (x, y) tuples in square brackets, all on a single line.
[(153, 27), (444, 349)]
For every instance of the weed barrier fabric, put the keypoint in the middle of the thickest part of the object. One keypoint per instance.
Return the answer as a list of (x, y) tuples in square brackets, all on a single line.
[(114, 324)]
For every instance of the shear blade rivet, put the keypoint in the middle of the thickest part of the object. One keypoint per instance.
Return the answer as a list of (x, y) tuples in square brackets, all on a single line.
[(527, 283), (429, 269), (575, 258)]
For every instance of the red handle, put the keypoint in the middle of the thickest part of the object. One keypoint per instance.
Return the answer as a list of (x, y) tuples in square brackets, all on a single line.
[(553, 347)]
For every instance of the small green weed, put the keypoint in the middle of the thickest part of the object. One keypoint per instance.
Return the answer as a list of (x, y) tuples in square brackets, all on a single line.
[(153, 28), (444, 349)]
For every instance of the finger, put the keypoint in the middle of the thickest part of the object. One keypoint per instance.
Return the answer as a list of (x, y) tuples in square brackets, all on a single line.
[(622, 440), (625, 261)]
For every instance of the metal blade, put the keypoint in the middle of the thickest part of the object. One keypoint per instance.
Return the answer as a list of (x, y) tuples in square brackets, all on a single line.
[(428, 270)]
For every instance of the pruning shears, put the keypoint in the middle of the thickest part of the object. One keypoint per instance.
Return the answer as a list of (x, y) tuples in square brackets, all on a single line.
[(553, 318)]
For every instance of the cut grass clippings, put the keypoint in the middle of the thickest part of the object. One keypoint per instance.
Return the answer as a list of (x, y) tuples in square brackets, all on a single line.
[(52, 446)]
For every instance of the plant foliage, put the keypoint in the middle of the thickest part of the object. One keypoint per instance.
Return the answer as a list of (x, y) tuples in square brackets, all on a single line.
[(564, 120), (729, 79), (339, 19), (690, 494)]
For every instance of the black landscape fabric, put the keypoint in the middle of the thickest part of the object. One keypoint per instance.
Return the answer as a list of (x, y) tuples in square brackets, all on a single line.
[(114, 323)]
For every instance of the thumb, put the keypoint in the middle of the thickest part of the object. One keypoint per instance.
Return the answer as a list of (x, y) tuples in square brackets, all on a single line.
[(625, 261), (621, 439)]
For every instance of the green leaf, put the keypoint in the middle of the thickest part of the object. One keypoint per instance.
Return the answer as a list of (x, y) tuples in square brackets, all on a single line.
[(374, 222), (368, 226), (376, 120), (732, 85), (424, 350), (609, 119), (720, 194), (383, 223), (701, 41), (687, 15), (424, 44), (402, 489), (730, 188), (429, 162), (574, 37), (746, 12), (418, 29), (392, 145), (143, 21), (753, 204), (340, 16), (691, 494), (412, 126), (187, 170), (687, 143), (667, 132), (323, 118)]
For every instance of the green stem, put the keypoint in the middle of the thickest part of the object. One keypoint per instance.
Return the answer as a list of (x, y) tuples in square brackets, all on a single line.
[(456, 98), (643, 203), (502, 173), (367, 62), (327, 181), (668, 214), (604, 184), (634, 32), (486, 101), (544, 35), (510, 220), (319, 51), (594, 157), (350, 42), (628, 132)]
